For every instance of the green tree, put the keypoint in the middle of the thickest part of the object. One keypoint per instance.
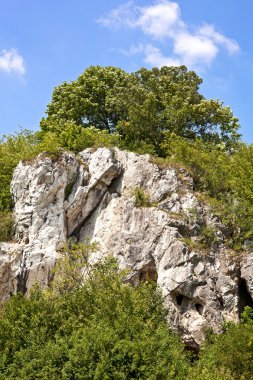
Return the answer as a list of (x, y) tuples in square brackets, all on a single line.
[(141, 106), (97, 327), (84, 101), (228, 355)]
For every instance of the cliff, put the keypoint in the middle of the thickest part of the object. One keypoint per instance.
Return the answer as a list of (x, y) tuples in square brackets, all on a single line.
[(146, 215)]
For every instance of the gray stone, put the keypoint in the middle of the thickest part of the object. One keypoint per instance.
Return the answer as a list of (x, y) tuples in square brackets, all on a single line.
[(91, 196)]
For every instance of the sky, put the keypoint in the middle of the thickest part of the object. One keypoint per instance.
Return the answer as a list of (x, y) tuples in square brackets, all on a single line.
[(43, 43)]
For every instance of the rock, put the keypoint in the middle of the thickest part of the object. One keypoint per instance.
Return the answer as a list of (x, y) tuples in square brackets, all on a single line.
[(91, 196)]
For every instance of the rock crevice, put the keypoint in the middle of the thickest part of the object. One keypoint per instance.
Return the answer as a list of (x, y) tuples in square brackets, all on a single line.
[(173, 240)]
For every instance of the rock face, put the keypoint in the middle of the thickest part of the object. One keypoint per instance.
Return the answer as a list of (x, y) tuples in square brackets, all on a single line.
[(171, 238)]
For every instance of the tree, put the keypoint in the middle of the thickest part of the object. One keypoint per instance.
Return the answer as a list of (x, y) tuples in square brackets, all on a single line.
[(141, 106), (228, 356), (84, 101), (97, 327)]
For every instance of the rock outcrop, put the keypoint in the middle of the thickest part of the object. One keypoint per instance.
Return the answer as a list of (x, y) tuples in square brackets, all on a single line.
[(172, 238)]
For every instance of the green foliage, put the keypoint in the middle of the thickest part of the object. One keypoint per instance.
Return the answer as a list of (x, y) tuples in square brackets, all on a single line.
[(102, 329), (206, 239), (6, 224), (225, 176), (86, 101), (140, 106), (13, 148), (208, 236), (77, 138), (247, 315), (142, 198), (228, 356), (208, 163), (71, 266)]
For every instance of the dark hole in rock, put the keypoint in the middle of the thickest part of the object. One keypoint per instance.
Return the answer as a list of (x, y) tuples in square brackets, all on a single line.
[(245, 298), (221, 301), (115, 186), (148, 273), (199, 308), (22, 281), (179, 299), (194, 352)]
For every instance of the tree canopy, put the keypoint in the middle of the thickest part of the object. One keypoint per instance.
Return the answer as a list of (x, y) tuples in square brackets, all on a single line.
[(140, 106)]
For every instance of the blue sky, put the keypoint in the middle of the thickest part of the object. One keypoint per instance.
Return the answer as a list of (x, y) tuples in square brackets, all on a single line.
[(43, 43)]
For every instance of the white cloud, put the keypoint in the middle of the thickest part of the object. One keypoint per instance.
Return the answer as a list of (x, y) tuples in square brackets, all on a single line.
[(194, 49), (218, 38), (154, 57), (124, 15), (134, 49), (12, 62), (162, 21)]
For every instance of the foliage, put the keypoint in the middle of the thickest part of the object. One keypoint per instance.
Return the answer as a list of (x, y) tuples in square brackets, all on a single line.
[(208, 163), (6, 223), (71, 266), (98, 328), (13, 148), (225, 176), (208, 236), (247, 315), (140, 106), (228, 355), (85, 101), (142, 198), (76, 138)]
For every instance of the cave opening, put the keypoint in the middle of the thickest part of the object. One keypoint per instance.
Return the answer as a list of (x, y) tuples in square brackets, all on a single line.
[(199, 308), (22, 278), (179, 299), (193, 351), (245, 298), (148, 273)]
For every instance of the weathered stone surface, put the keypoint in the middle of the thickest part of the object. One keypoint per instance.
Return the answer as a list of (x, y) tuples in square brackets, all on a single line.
[(92, 196)]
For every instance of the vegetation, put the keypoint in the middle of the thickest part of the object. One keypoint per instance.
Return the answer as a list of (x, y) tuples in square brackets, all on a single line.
[(97, 328), (229, 355), (91, 324), (158, 111), (142, 198), (224, 176), (140, 107)]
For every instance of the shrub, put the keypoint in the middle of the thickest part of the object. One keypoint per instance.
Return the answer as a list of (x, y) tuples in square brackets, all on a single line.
[(100, 328), (6, 225), (142, 198)]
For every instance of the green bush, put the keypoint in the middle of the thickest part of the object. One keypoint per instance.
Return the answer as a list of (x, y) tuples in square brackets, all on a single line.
[(6, 225), (142, 198), (97, 328), (228, 355)]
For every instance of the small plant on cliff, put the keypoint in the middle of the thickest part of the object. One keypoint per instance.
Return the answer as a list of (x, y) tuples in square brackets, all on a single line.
[(71, 266), (142, 198), (6, 225), (208, 236)]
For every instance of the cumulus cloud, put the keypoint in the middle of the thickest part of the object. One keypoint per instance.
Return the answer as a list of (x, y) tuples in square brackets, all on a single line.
[(12, 62), (124, 15), (162, 22), (219, 39), (193, 49), (154, 57)]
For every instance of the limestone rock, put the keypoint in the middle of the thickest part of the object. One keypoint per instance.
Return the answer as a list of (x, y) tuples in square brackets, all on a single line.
[(92, 195)]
